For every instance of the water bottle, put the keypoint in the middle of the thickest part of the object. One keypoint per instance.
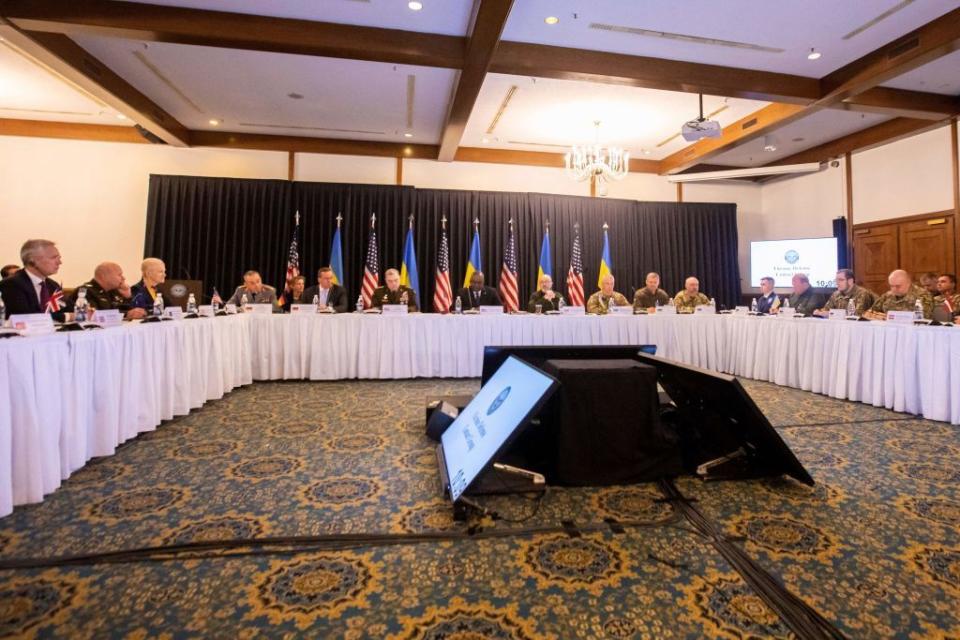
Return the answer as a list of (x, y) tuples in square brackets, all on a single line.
[(786, 302), (851, 308), (215, 301), (918, 310), (754, 307), (3, 312), (404, 298), (713, 304), (81, 305), (360, 303), (657, 306), (458, 306), (191, 305), (561, 304), (243, 302), (316, 303), (158, 306)]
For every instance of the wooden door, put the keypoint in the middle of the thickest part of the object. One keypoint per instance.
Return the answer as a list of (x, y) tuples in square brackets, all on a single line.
[(927, 245), (875, 253)]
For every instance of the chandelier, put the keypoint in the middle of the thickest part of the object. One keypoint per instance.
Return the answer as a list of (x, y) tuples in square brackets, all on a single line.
[(595, 162)]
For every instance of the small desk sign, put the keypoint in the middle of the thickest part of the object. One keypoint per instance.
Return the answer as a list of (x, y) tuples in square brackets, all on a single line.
[(786, 313), (259, 309), (741, 310), (573, 310), (230, 308), (900, 317), (705, 308), (837, 314), (173, 312), (108, 317), (302, 309), (618, 310), (395, 309), (490, 310), (32, 324), (667, 308), (205, 311)]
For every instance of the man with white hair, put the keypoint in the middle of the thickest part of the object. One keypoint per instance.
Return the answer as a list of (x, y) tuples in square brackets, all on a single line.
[(394, 292), (154, 272), (902, 296), (601, 301), (804, 299), (690, 298), (545, 296), (31, 290), (105, 291)]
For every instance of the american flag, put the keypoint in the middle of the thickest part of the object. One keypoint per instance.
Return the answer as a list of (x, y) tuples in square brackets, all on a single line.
[(508, 275), (293, 259), (443, 294), (575, 274), (371, 268)]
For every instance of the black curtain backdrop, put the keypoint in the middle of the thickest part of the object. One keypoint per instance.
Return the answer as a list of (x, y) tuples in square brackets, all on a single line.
[(214, 229)]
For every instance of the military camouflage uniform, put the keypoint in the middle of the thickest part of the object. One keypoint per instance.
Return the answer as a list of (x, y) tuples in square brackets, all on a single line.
[(599, 303), (862, 298), (687, 305), (643, 299), (954, 302), (98, 298), (906, 302)]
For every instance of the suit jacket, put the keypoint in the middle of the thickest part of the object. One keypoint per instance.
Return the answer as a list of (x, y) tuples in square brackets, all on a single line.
[(382, 296), (140, 297), (20, 296), (765, 303), (268, 295), (337, 298), (487, 296)]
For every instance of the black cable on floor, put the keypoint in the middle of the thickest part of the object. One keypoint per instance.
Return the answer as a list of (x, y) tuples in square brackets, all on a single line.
[(802, 619)]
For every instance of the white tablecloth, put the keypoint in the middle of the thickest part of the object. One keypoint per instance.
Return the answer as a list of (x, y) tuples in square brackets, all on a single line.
[(65, 398)]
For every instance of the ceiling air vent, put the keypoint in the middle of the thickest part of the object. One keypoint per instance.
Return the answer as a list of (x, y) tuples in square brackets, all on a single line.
[(749, 123), (683, 37)]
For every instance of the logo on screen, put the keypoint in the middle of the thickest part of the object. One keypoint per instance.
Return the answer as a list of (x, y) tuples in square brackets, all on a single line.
[(178, 290), (499, 400), (791, 256)]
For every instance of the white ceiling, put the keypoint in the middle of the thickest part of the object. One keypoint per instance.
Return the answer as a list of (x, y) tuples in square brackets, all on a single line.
[(822, 126), (447, 17), (562, 112), (246, 90), (792, 25), (29, 91), (940, 76)]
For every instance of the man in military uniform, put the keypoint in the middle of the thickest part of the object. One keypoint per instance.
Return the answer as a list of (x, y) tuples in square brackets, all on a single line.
[(255, 291), (690, 297), (599, 303), (648, 297), (947, 296), (104, 291), (902, 296), (394, 292), (804, 299), (545, 296), (929, 282), (847, 290)]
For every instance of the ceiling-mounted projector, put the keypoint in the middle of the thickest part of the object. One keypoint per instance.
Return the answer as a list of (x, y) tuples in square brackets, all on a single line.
[(698, 128)]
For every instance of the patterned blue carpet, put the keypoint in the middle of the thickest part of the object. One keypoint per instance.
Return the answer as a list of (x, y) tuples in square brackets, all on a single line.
[(874, 547)]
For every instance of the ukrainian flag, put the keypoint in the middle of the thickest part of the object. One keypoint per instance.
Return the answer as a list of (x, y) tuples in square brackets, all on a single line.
[(336, 257), (544, 267), (606, 264), (473, 264), (408, 270)]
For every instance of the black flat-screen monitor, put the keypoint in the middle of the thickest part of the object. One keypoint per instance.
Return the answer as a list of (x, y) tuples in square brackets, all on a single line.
[(494, 356), (718, 422), (490, 423)]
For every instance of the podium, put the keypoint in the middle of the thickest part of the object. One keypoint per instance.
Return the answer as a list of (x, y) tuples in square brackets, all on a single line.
[(176, 292)]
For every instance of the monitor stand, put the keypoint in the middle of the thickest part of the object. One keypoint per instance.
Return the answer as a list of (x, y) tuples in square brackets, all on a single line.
[(499, 479)]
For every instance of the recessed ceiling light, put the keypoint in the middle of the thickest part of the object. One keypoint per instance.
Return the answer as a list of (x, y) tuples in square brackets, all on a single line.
[(408, 135), (485, 140), (415, 6), (646, 152), (551, 19), (407, 150), (214, 122), (120, 116), (813, 55)]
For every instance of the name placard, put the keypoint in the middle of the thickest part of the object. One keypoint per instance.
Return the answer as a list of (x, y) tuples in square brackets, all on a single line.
[(667, 308), (900, 317), (741, 310), (259, 309), (704, 308), (786, 313), (108, 317), (205, 311), (302, 309), (490, 310), (32, 324), (230, 308), (573, 310), (173, 312), (617, 310), (395, 309), (837, 314)]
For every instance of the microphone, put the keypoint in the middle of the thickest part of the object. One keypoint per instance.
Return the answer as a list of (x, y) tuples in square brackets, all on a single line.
[(184, 270)]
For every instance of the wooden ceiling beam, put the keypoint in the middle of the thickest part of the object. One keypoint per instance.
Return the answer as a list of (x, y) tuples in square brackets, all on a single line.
[(490, 17), (901, 103), (69, 60), (69, 131), (303, 144), (155, 23)]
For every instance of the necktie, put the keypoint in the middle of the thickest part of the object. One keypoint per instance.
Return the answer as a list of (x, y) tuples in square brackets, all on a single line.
[(44, 296), (476, 298)]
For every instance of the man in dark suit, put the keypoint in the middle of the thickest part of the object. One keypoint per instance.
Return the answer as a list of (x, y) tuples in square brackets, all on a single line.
[(330, 295), (31, 290), (394, 292), (477, 295)]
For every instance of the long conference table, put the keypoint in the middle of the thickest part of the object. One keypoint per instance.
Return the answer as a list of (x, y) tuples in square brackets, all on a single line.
[(68, 397)]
